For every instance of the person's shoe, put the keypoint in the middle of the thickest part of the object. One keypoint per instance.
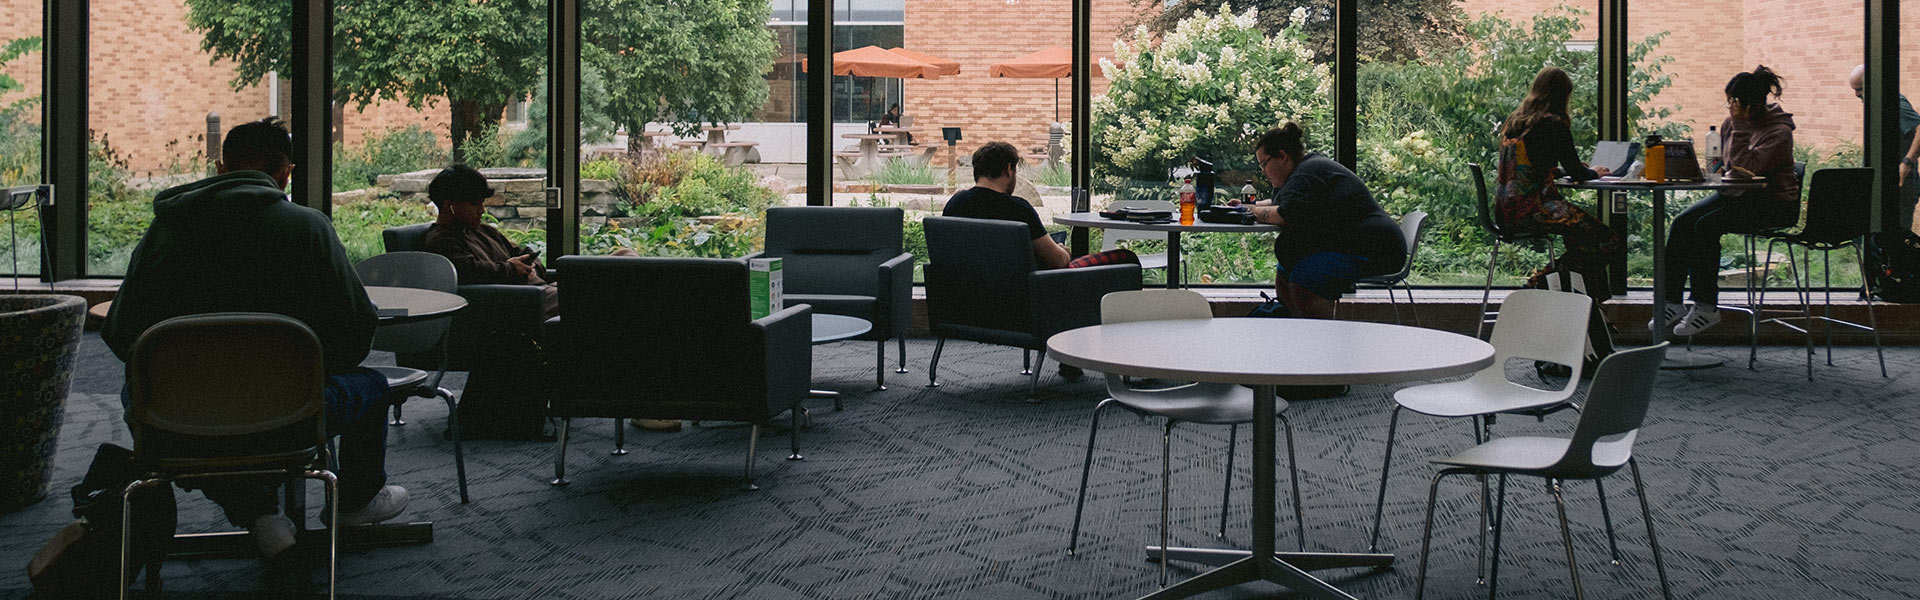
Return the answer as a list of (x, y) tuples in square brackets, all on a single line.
[(1071, 373), (1672, 310), (656, 424), (387, 504), (1698, 320), (272, 534)]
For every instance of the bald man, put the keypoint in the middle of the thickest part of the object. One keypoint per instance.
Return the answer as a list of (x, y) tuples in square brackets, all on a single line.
[(1909, 123)]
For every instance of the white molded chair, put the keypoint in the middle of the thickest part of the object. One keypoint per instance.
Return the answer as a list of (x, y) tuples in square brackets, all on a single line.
[(1205, 403), (426, 271), (1109, 237), (1533, 325), (1602, 442), (1412, 225)]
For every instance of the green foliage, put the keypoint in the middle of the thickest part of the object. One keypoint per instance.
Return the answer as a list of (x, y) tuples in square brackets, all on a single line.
[(486, 149), (1423, 121), (684, 204), (392, 152), (10, 51), (1058, 174), (906, 172), (1389, 29), (529, 146), (685, 63), (1209, 88), (605, 169), (359, 223)]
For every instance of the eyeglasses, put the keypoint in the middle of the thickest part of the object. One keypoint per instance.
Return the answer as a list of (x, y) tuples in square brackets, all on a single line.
[(1263, 162)]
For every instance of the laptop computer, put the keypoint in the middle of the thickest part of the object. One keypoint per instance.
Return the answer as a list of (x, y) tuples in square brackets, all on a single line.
[(1615, 155), (1682, 164)]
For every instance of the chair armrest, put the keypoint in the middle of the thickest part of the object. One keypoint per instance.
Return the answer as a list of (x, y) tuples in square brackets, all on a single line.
[(896, 295), (785, 356), (760, 254), (1066, 299)]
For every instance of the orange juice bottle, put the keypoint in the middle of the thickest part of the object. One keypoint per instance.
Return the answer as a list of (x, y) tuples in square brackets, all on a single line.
[(1656, 159), (1187, 202)]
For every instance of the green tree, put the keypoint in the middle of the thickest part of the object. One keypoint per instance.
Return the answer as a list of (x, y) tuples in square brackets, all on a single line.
[(1389, 29), (687, 62), (474, 56)]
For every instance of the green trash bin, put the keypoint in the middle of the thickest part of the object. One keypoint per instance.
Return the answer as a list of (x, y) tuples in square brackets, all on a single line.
[(39, 335)]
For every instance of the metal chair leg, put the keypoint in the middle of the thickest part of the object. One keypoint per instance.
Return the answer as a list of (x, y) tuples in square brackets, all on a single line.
[(1493, 257), (453, 429), (1566, 537), (1293, 467), (1395, 301), (1380, 502), (560, 455), (1606, 517), (793, 432), (1757, 301), (1826, 275), (126, 534), (933, 366), (902, 339), (1413, 308), (1426, 537), (619, 437), (1873, 322), (330, 483), (879, 370), (1086, 469), (1805, 281), (1499, 523), (1166, 489), (753, 439), (1033, 378), (1480, 436), (1226, 491), (1653, 541)]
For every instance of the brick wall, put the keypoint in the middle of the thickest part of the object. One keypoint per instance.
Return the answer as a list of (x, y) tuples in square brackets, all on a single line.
[(978, 33)]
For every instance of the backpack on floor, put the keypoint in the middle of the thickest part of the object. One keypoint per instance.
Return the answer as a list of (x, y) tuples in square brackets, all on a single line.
[(1892, 269), (82, 558), (506, 393)]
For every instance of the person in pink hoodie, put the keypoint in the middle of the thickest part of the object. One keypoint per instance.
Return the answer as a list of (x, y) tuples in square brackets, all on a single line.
[(1758, 140)]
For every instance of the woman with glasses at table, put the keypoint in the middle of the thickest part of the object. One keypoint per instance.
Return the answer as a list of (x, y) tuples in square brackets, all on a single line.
[(1757, 138), (1332, 232), (1534, 140)]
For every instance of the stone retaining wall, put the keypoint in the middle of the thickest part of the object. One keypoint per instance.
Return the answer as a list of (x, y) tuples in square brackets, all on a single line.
[(519, 199)]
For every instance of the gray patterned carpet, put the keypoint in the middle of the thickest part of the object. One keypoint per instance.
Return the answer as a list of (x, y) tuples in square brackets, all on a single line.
[(1764, 485)]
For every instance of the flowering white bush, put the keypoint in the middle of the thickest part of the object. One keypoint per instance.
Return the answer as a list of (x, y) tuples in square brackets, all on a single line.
[(1207, 89)]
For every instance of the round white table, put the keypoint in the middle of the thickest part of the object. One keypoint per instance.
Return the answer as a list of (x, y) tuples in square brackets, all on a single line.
[(1173, 230), (1659, 192), (396, 305), (1264, 353)]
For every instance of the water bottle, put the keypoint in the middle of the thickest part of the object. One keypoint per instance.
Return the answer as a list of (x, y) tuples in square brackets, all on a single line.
[(1656, 157), (1248, 195), (1187, 202), (1713, 150)]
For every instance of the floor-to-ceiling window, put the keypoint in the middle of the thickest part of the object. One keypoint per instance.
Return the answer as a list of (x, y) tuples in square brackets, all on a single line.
[(20, 136)]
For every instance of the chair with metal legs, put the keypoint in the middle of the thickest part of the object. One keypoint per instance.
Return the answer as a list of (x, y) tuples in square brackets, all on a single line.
[(428, 271), (1483, 206), (1412, 226), (1602, 443), (1203, 403), (201, 386), (1839, 213), (1533, 325)]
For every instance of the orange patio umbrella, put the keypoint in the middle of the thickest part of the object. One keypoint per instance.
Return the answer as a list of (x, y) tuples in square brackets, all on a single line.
[(947, 67), (1051, 63), (874, 61)]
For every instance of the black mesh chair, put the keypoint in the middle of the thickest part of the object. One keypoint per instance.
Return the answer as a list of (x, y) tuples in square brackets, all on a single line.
[(672, 338), (1839, 215), (509, 308), (847, 261), (1483, 207), (228, 395), (983, 286)]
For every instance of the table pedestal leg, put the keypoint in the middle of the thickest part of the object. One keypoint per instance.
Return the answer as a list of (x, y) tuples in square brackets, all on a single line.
[(1262, 563), (1173, 260)]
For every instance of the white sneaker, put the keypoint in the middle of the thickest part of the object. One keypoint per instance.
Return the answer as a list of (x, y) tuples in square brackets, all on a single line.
[(1672, 311), (1698, 320), (387, 504), (272, 534)]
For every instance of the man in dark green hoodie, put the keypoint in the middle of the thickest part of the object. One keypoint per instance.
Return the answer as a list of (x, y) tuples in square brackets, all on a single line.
[(233, 242)]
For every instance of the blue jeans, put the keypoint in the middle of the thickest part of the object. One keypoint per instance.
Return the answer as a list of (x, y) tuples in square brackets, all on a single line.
[(357, 412), (1327, 274)]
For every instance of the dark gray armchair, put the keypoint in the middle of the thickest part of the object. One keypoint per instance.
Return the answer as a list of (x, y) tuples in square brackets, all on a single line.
[(513, 308), (983, 286), (672, 338), (848, 261)]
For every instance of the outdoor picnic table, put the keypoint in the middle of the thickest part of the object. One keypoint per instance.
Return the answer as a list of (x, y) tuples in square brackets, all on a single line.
[(869, 158), (901, 135)]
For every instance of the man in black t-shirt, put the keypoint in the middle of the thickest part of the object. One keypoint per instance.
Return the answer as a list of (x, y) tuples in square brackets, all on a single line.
[(995, 170)]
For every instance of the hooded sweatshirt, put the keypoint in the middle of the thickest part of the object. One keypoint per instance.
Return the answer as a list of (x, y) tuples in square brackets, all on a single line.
[(1764, 145), (233, 242)]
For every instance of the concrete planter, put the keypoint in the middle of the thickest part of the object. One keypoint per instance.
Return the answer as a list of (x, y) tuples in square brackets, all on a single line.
[(39, 335)]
